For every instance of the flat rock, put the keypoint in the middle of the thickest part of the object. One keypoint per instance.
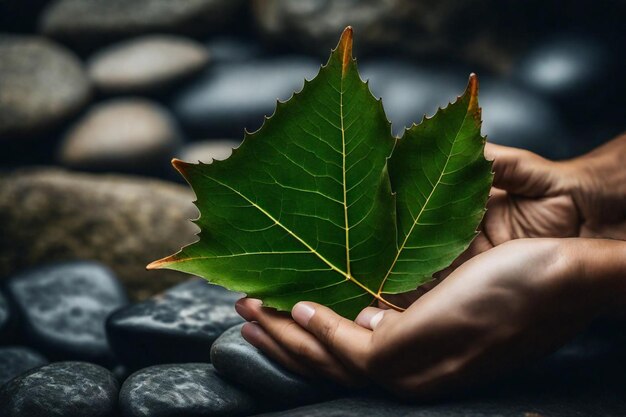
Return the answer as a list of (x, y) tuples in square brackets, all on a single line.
[(231, 96), (177, 326), (207, 150), (192, 389), (124, 135), (15, 360), (124, 222), (41, 85), (243, 364), (146, 64), (83, 23), (61, 389), (63, 308)]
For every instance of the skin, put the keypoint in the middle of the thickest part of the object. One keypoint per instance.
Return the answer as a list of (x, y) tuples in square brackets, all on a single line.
[(550, 259)]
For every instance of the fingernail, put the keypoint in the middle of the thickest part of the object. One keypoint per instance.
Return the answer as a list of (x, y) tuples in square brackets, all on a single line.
[(302, 313), (376, 319), (242, 306)]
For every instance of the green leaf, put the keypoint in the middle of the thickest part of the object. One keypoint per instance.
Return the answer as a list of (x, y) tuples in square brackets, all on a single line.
[(304, 209)]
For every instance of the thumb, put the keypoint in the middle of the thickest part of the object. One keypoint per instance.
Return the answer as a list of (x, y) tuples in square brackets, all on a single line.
[(519, 171), (344, 338)]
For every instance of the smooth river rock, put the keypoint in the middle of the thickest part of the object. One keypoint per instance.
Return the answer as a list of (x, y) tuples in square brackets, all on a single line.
[(177, 326), (15, 360), (41, 85), (124, 222), (207, 150), (132, 135), (231, 96), (147, 64), (61, 389), (63, 308), (191, 390), (243, 364), (84, 24)]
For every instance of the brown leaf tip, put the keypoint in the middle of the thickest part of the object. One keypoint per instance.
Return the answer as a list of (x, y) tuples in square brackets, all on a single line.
[(472, 88), (345, 48)]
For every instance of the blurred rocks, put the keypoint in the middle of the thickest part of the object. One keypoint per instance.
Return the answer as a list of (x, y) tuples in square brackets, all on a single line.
[(15, 360), (41, 85), (63, 308), (123, 222), (515, 117), (86, 24), (192, 389), (207, 150), (243, 364), (147, 64), (410, 92), (233, 95), (448, 28), (74, 389), (230, 49), (178, 326), (123, 135), (5, 318)]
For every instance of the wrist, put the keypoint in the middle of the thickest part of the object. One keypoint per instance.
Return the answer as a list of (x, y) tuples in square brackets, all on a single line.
[(600, 264)]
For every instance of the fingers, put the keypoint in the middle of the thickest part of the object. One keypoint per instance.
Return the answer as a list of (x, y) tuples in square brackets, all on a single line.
[(287, 342), (346, 339), (256, 336), (370, 317), (519, 171)]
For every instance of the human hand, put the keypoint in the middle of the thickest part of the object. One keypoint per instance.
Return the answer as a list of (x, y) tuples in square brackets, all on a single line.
[(499, 310)]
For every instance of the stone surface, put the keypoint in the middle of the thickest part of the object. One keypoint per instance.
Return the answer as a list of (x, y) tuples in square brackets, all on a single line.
[(124, 222), (192, 389), (127, 135), (177, 326), (243, 364), (82, 23), (207, 150), (15, 360), (63, 307), (61, 389), (41, 85), (146, 64), (232, 96)]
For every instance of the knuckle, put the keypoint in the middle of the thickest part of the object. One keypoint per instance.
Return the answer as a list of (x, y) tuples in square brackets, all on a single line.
[(328, 330)]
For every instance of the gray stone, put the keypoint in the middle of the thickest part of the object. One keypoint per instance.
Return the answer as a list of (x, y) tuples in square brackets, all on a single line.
[(177, 326), (600, 406), (15, 360), (123, 222), (83, 23), (123, 135), (61, 389), (63, 308), (41, 85), (207, 150), (192, 389), (146, 64), (232, 96), (243, 364)]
